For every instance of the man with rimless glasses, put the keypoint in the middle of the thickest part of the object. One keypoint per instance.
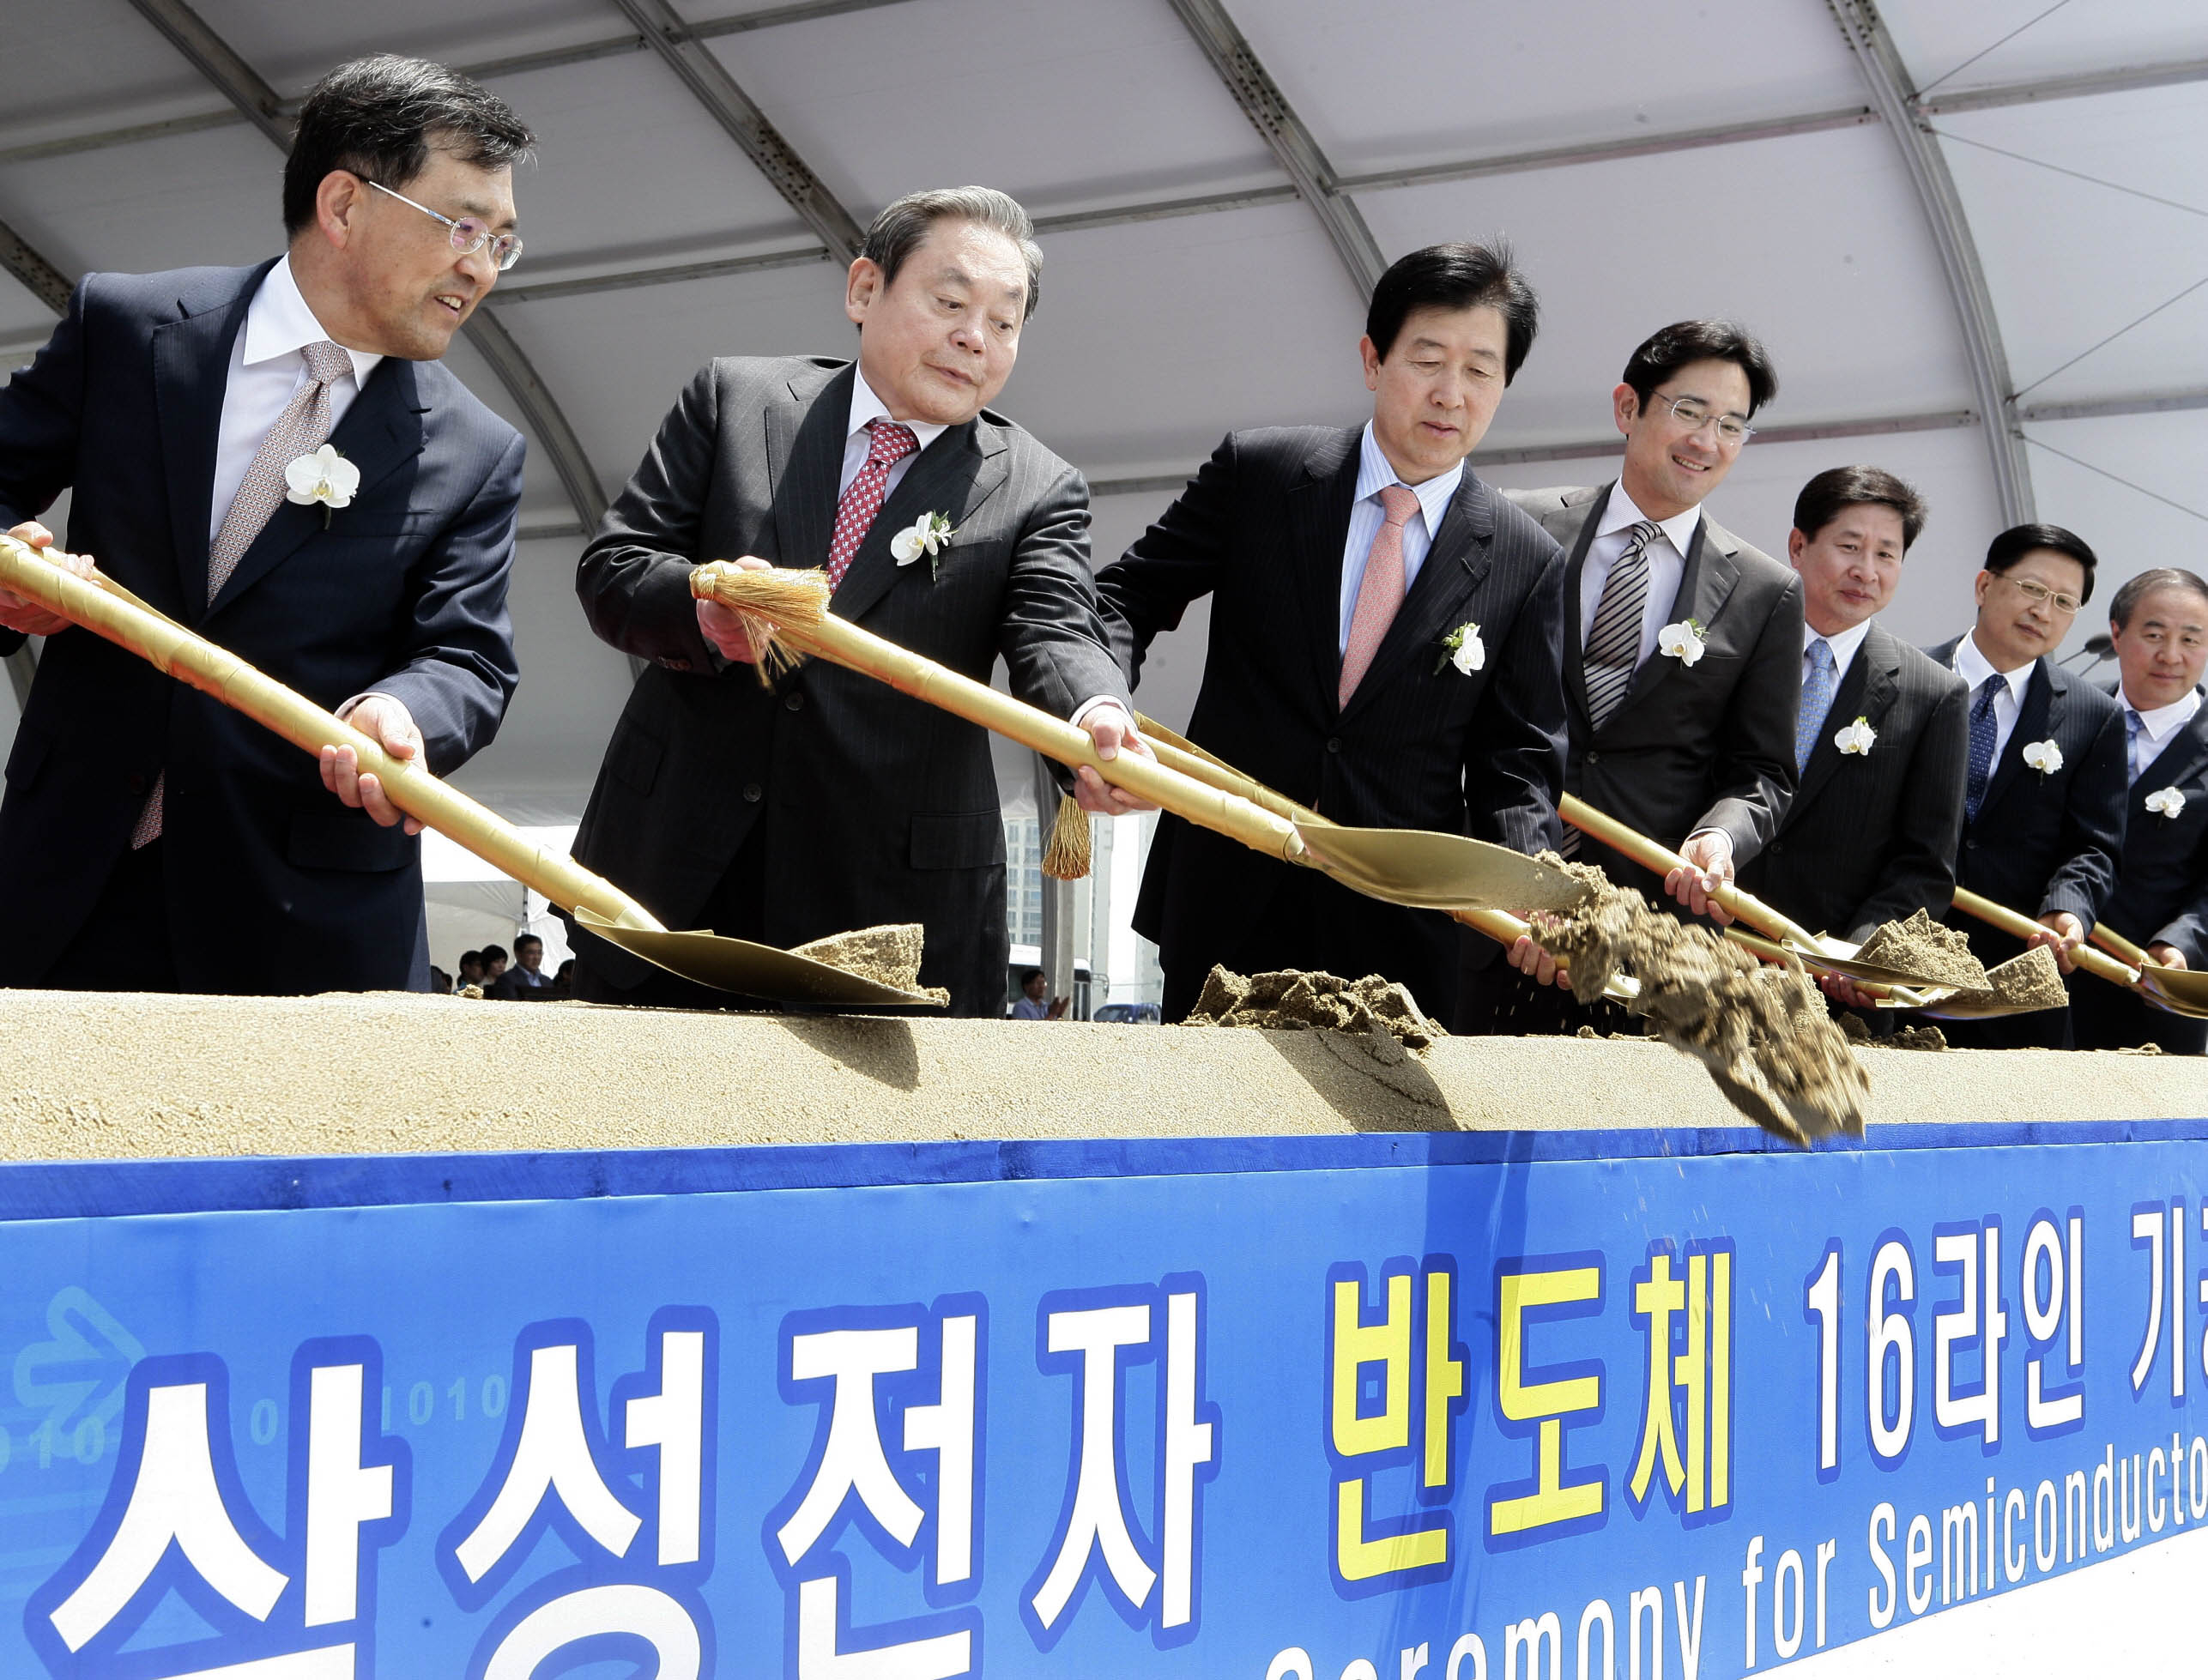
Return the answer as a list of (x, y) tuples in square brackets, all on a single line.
[(274, 456), (2046, 773), (1683, 649)]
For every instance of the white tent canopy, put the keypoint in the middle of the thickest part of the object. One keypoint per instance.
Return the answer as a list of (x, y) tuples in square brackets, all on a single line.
[(1973, 236)]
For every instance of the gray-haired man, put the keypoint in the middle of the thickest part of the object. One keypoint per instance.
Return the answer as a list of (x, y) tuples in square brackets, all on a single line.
[(831, 802)]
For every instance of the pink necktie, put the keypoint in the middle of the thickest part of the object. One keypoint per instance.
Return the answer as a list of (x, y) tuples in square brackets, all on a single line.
[(891, 444), (1381, 591), (303, 427)]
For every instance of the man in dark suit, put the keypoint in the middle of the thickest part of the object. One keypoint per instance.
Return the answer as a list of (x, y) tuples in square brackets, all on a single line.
[(1881, 738), (1383, 641), (829, 801), (2044, 782), (1682, 652), (152, 838), (2159, 625)]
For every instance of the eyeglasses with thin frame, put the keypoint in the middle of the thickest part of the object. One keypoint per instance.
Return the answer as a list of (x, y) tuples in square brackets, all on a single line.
[(2061, 602), (470, 234), (1694, 413)]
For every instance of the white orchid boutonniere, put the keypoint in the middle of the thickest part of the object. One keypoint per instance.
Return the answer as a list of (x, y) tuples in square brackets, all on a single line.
[(324, 476), (1463, 648), (2045, 757), (1682, 641), (1857, 739), (2166, 801), (929, 535)]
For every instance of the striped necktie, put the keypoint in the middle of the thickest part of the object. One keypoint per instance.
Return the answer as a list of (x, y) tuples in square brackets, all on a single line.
[(2135, 726), (1614, 644)]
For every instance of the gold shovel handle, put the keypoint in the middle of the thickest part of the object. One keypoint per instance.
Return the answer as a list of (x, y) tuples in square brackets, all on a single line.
[(2094, 963), (1662, 859), (2120, 947), (844, 644), (105, 608)]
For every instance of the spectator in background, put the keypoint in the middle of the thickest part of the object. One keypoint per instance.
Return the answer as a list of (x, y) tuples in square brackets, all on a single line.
[(527, 979), (494, 965), (563, 983), (439, 982), (471, 970), (1033, 1003)]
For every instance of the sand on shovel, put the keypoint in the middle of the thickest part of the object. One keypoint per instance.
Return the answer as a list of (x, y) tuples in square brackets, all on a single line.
[(1934, 953), (2033, 980), (1293, 1000), (889, 954), (1762, 1032)]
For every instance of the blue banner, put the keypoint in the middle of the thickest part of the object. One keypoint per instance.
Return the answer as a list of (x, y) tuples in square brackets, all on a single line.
[(1370, 1408)]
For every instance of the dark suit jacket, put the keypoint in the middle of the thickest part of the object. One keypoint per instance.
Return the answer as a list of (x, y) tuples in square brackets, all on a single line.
[(2162, 889), (873, 807), (1420, 744), (2043, 843), (1871, 838), (1706, 746), (272, 885)]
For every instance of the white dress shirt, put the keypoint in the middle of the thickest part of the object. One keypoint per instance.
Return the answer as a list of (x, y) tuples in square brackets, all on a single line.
[(858, 442), (1843, 646), (1374, 475), (1666, 557), (1974, 668), (2156, 727), (266, 370)]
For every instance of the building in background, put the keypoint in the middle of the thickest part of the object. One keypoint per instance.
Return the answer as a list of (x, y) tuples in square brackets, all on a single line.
[(1111, 962)]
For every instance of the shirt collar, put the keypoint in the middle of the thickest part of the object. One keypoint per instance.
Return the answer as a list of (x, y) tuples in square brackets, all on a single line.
[(1974, 668), (866, 405), (279, 323), (1375, 473), (1843, 645), (2163, 719), (1620, 513)]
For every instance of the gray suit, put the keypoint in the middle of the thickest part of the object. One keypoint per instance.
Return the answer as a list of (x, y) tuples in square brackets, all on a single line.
[(849, 804)]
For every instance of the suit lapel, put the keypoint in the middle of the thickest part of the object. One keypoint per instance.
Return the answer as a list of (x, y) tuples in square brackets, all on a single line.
[(1706, 583), (953, 477), (2037, 719), (1866, 692), (1575, 571), (1456, 561), (805, 437), (382, 430), (192, 371), (1318, 510)]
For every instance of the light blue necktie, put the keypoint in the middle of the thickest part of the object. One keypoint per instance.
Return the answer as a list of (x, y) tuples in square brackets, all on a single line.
[(2135, 726), (1816, 700)]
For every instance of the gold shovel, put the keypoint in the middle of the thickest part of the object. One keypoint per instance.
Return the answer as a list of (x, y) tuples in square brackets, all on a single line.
[(1411, 867), (2179, 991), (2176, 999), (107, 609), (1178, 752)]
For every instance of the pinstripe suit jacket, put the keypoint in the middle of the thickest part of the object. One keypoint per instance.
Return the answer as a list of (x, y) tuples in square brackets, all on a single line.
[(1420, 744), (1871, 838), (873, 807)]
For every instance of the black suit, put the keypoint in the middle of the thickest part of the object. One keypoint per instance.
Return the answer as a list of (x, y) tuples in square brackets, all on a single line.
[(833, 802), (1871, 838), (1261, 529), (2161, 899), (270, 884), (2043, 843), (1706, 746)]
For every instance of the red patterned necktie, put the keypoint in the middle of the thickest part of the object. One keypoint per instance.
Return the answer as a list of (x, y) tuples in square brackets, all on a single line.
[(891, 444), (1379, 592)]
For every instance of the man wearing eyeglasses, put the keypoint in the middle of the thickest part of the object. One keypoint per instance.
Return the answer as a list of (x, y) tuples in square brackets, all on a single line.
[(1682, 653), (153, 839), (2045, 779)]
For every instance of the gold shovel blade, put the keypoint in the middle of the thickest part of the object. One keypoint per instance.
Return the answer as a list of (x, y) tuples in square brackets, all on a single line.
[(753, 970), (2179, 991), (1438, 871)]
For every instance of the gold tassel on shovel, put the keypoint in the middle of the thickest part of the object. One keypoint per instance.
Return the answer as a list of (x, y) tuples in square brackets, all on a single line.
[(1066, 858)]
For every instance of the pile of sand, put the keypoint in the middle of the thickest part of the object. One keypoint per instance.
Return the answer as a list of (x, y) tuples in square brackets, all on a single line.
[(1857, 1031), (1930, 951), (888, 956), (1291, 1000), (2033, 980), (1762, 1032)]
